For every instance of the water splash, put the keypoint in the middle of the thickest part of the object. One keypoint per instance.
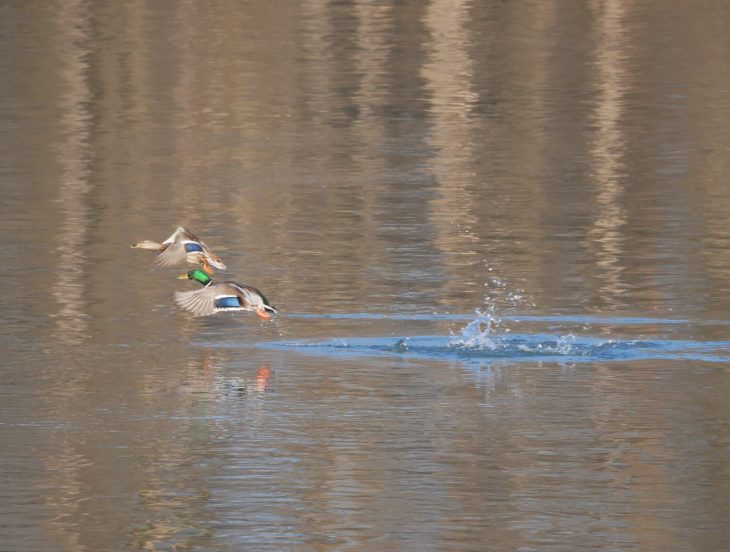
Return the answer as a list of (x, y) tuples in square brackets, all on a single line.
[(480, 333), (487, 332), (563, 345), (488, 337), (502, 294), (513, 348)]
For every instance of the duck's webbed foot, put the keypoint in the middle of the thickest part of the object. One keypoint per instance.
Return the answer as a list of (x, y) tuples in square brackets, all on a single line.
[(262, 314)]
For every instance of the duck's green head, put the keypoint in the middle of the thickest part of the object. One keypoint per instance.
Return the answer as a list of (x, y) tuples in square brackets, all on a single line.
[(196, 275)]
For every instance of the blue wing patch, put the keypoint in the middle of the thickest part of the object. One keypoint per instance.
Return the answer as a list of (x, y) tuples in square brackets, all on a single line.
[(227, 303), (191, 246)]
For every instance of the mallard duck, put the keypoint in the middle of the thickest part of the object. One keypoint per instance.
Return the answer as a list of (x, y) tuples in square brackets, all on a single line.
[(182, 247), (225, 296)]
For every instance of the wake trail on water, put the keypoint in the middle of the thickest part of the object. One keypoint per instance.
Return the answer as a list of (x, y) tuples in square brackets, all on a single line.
[(488, 337)]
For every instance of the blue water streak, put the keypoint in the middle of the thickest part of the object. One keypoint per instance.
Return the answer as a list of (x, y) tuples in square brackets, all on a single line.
[(514, 347), (567, 319)]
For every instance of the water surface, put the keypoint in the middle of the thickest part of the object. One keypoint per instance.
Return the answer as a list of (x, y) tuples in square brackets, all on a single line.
[(496, 232)]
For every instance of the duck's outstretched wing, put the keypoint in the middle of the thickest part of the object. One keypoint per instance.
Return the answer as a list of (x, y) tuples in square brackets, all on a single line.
[(173, 255), (182, 243), (210, 299), (177, 247)]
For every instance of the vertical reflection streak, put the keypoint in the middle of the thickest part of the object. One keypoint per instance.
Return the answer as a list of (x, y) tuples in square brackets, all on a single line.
[(448, 77), (375, 27), (375, 33), (189, 103), (65, 491), (608, 148), (73, 159), (318, 79), (607, 236)]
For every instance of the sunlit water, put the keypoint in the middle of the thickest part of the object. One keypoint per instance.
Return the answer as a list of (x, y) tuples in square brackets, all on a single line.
[(496, 232)]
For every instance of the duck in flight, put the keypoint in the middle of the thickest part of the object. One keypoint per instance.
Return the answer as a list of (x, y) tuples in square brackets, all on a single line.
[(183, 247), (221, 297)]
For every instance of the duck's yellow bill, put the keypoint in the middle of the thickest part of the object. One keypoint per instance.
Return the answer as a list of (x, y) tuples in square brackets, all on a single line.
[(182, 276)]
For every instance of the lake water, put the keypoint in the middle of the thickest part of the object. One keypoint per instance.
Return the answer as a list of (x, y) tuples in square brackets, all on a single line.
[(497, 234)]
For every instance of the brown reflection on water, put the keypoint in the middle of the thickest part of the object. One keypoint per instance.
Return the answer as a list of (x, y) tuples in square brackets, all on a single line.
[(351, 157), (131, 463), (711, 164), (632, 456), (605, 236), (73, 158), (448, 80)]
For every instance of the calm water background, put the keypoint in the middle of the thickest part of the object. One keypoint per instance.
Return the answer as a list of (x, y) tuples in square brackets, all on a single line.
[(381, 159)]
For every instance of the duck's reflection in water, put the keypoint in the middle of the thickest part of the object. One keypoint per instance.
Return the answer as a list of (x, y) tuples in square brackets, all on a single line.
[(213, 378), (243, 386), (263, 375), (219, 397)]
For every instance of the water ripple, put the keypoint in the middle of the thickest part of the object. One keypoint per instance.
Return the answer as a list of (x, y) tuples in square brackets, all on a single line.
[(515, 347), (568, 319)]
